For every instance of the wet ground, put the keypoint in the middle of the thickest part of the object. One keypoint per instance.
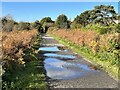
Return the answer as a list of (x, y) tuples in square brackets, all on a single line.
[(66, 69)]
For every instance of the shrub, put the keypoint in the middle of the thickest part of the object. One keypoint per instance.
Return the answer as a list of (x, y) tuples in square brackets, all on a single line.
[(24, 26)]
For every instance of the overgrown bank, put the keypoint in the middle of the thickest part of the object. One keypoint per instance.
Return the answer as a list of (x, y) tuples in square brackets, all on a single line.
[(27, 70), (99, 49)]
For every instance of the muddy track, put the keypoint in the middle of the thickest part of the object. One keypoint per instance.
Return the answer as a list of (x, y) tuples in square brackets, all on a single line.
[(66, 69)]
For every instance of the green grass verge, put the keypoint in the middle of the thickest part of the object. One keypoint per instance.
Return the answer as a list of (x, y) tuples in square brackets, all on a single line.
[(111, 69), (29, 76)]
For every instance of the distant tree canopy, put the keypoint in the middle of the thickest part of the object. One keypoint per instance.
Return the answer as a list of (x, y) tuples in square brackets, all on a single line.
[(46, 20), (8, 24), (62, 21), (104, 15)]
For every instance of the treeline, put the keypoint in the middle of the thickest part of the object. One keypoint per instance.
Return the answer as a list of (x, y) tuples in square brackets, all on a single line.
[(9, 24), (102, 17)]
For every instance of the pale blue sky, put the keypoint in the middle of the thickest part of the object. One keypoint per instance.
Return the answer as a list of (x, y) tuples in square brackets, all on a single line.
[(31, 11)]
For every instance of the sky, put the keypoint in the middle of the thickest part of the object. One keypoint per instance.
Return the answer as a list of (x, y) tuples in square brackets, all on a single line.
[(31, 11)]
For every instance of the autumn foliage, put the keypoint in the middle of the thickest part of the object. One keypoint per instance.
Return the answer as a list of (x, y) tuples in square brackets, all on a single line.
[(96, 42), (13, 43)]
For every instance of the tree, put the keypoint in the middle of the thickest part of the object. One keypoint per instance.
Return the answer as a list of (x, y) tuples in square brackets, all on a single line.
[(46, 20), (7, 23), (83, 18), (77, 19), (62, 21), (105, 15), (76, 22)]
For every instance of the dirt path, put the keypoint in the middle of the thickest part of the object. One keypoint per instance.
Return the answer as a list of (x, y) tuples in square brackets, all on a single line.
[(66, 69)]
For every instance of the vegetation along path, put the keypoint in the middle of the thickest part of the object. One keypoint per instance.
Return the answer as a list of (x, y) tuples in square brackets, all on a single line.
[(66, 69)]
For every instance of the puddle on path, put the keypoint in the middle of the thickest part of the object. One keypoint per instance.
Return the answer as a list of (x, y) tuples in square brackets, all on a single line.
[(59, 56), (52, 49), (58, 69)]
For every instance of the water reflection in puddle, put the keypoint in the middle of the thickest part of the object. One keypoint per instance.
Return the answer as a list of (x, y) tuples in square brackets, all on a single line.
[(59, 55), (58, 69), (54, 48)]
